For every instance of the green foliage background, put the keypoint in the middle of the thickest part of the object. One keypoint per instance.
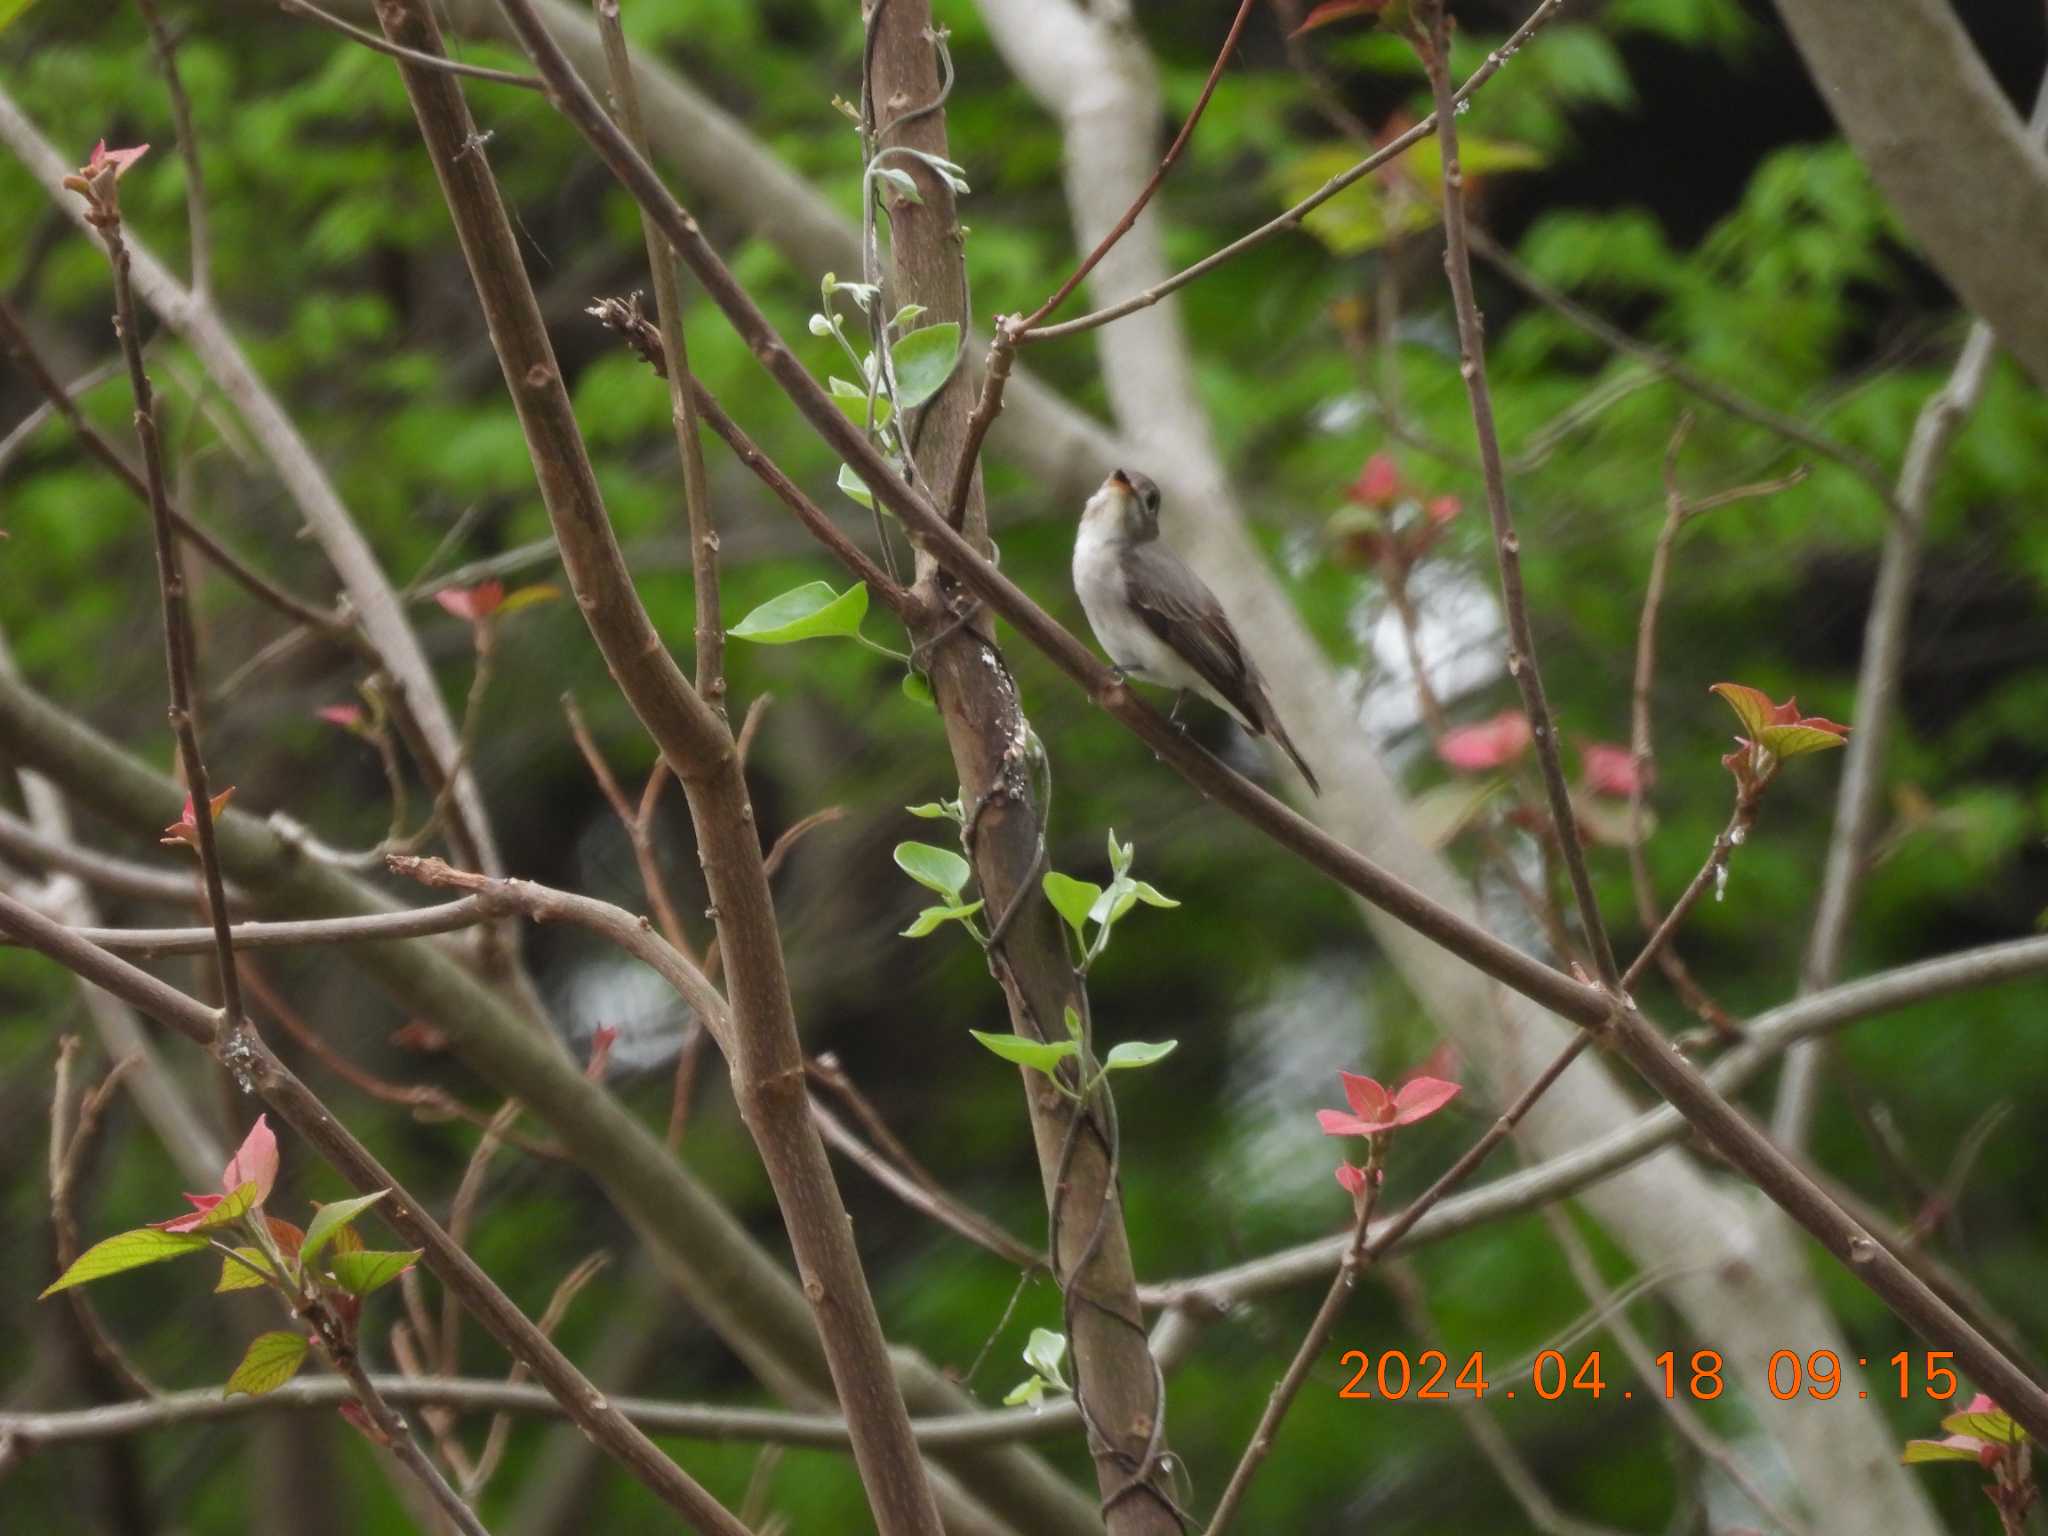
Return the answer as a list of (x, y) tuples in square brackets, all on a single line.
[(1744, 238)]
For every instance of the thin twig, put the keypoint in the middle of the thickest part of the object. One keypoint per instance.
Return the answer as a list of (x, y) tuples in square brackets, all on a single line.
[(60, 399), (697, 1421), (668, 306), (1500, 1453), (1791, 428), (1677, 514), (544, 904), (198, 225), (1711, 872), (1684, 1418), (638, 824), (1434, 46), (71, 1133), (370, 928), (398, 1438), (426, 1101), (1292, 218), (1885, 634), (377, 44), (500, 1433), (1123, 225), (1355, 1259), (99, 188)]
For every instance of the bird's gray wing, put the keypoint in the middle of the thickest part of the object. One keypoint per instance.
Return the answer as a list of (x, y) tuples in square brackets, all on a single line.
[(1184, 613)]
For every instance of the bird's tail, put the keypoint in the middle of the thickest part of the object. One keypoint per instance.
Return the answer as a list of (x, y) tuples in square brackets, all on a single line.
[(1279, 734)]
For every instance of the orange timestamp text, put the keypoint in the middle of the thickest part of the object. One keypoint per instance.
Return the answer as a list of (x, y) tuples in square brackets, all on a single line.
[(1392, 1375)]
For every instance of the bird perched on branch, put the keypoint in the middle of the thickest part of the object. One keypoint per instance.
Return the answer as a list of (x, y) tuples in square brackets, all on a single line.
[(1154, 616)]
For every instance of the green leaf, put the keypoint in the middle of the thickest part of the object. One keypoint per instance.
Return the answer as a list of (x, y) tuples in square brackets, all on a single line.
[(1035, 1054), (853, 399), (855, 487), (1797, 740), (1934, 1450), (233, 1207), (1752, 706), (1120, 854), (248, 1269), (364, 1270), (271, 1360), (1137, 1053), (1072, 899), (1073, 1022), (329, 1221), (1994, 1425), (936, 869), (918, 690), (11, 9), (933, 917), (1027, 1393), (1044, 1352), (901, 181), (1151, 896), (812, 611), (936, 810), (924, 360), (125, 1250)]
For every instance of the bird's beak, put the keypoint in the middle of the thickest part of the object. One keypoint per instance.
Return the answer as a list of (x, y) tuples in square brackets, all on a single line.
[(1116, 478)]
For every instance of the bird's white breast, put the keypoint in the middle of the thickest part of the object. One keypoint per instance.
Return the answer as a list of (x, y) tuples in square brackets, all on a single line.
[(1099, 582)]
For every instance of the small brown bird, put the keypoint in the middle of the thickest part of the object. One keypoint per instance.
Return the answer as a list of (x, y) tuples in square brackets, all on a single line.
[(1154, 616)]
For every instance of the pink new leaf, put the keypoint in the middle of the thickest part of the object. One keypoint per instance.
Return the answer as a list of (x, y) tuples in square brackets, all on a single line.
[(1488, 745), (475, 603), (1609, 769)]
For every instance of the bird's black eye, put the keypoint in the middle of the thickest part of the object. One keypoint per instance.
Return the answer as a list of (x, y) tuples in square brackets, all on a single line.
[(1151, 500)]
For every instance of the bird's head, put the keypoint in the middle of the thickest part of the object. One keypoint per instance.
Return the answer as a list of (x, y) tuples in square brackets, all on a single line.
[(1130, 502)]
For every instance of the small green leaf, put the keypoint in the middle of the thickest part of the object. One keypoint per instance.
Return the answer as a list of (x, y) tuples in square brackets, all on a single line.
[(1073, 1021), (853, 399), (1797, 740), (918, 690), (1752, 706), (11, 9), (364, 1270), (901, 181), (1120, 854), (248, 1269), (528, 597), (1044, 1352), (902, 318), (232, 1207), (933, 917), (1035, 1054), (125, 1250), (271, 1360), (1137, 1053), (812, 611), (1934, 1450), (936, 869), (855, 487), (1150, 895), (924, 360), (1027, 1393), (329, 1221), (1994, 1425), (1113, 903), (936, 810), (1072, 899)]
